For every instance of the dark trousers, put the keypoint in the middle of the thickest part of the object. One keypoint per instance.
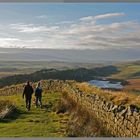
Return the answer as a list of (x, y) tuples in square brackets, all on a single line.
[(38, 101), (28, 103)]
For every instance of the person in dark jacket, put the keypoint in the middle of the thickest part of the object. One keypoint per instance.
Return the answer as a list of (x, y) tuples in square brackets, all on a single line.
[(27, 92), (38, 95)]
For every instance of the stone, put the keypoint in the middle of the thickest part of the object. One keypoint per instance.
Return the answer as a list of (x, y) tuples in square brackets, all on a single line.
[(134, 129), (134, 108), (121, 108), (121, 118), (125, 123), (123, 112), (115, 120), (128, 133), (139, 133), (133, 120), (136, 115), (129, 111), (138, 126), (114, 108), (129, 125), (120, 122)]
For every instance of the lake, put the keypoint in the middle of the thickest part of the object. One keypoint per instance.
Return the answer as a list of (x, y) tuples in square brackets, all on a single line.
[(106, 84)]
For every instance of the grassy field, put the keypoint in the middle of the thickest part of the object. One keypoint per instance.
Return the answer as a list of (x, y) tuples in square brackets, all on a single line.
[(36, 123), (127, 70), (8, 68)]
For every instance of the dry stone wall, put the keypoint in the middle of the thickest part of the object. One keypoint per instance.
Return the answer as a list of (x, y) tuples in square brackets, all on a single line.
[(10, 90), (118, 120)]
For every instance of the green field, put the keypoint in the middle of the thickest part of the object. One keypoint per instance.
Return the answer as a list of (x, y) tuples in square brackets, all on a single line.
[(37, 122), (127, 70)]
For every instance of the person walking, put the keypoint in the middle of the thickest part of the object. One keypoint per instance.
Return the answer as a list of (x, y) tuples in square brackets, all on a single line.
[(38, 95), (27, 92)]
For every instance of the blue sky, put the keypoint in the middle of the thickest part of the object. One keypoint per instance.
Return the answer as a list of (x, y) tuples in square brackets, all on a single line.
[(61, 11), (70, 26)]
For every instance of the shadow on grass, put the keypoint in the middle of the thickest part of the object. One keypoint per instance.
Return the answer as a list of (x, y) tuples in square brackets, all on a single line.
[(13, 116), (48, 107)]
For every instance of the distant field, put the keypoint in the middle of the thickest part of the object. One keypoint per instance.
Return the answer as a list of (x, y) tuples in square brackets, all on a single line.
[(46, 64), (8, 68), (127, 70), (16, 72)]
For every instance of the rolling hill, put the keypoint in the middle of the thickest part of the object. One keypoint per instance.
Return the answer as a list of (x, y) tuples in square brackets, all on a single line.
[(80, 74), (127, 70)]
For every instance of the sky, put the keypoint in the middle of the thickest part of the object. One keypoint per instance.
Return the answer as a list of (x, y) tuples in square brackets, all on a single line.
[(95, 26)]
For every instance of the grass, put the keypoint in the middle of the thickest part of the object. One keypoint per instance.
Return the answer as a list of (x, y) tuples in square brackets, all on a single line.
[(118, 97), (134, 84), (126, 71), (36, 123), (82, 122)]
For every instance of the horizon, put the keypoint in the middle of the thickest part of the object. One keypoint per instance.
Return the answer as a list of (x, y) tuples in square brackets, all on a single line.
[(67, 55)]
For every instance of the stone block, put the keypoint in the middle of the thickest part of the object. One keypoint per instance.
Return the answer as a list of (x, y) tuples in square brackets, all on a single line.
[(133, 120), (129, 125), (127, 132), (138, 126), (134, 130), (138, 134), (125, 123), (120, 122)]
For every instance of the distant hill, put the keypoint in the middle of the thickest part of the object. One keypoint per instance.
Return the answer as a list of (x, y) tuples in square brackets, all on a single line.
[(80, 74)]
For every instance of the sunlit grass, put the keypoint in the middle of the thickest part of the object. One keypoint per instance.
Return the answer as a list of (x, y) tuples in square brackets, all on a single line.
[(118, 97), (126, 71)]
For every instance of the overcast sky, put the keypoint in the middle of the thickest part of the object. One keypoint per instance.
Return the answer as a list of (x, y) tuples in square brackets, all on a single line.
[(97, 26)]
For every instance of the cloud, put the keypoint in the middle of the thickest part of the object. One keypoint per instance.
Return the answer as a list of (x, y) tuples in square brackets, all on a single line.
[(103, 16), (84, 33), (42, 17), (64, 22), (9, 39), (6, 42), (108, 15), (30, 28), (83, 29), (115, 35)]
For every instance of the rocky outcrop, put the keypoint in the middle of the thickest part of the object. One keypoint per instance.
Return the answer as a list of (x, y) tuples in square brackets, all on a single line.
[(6, 111)]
